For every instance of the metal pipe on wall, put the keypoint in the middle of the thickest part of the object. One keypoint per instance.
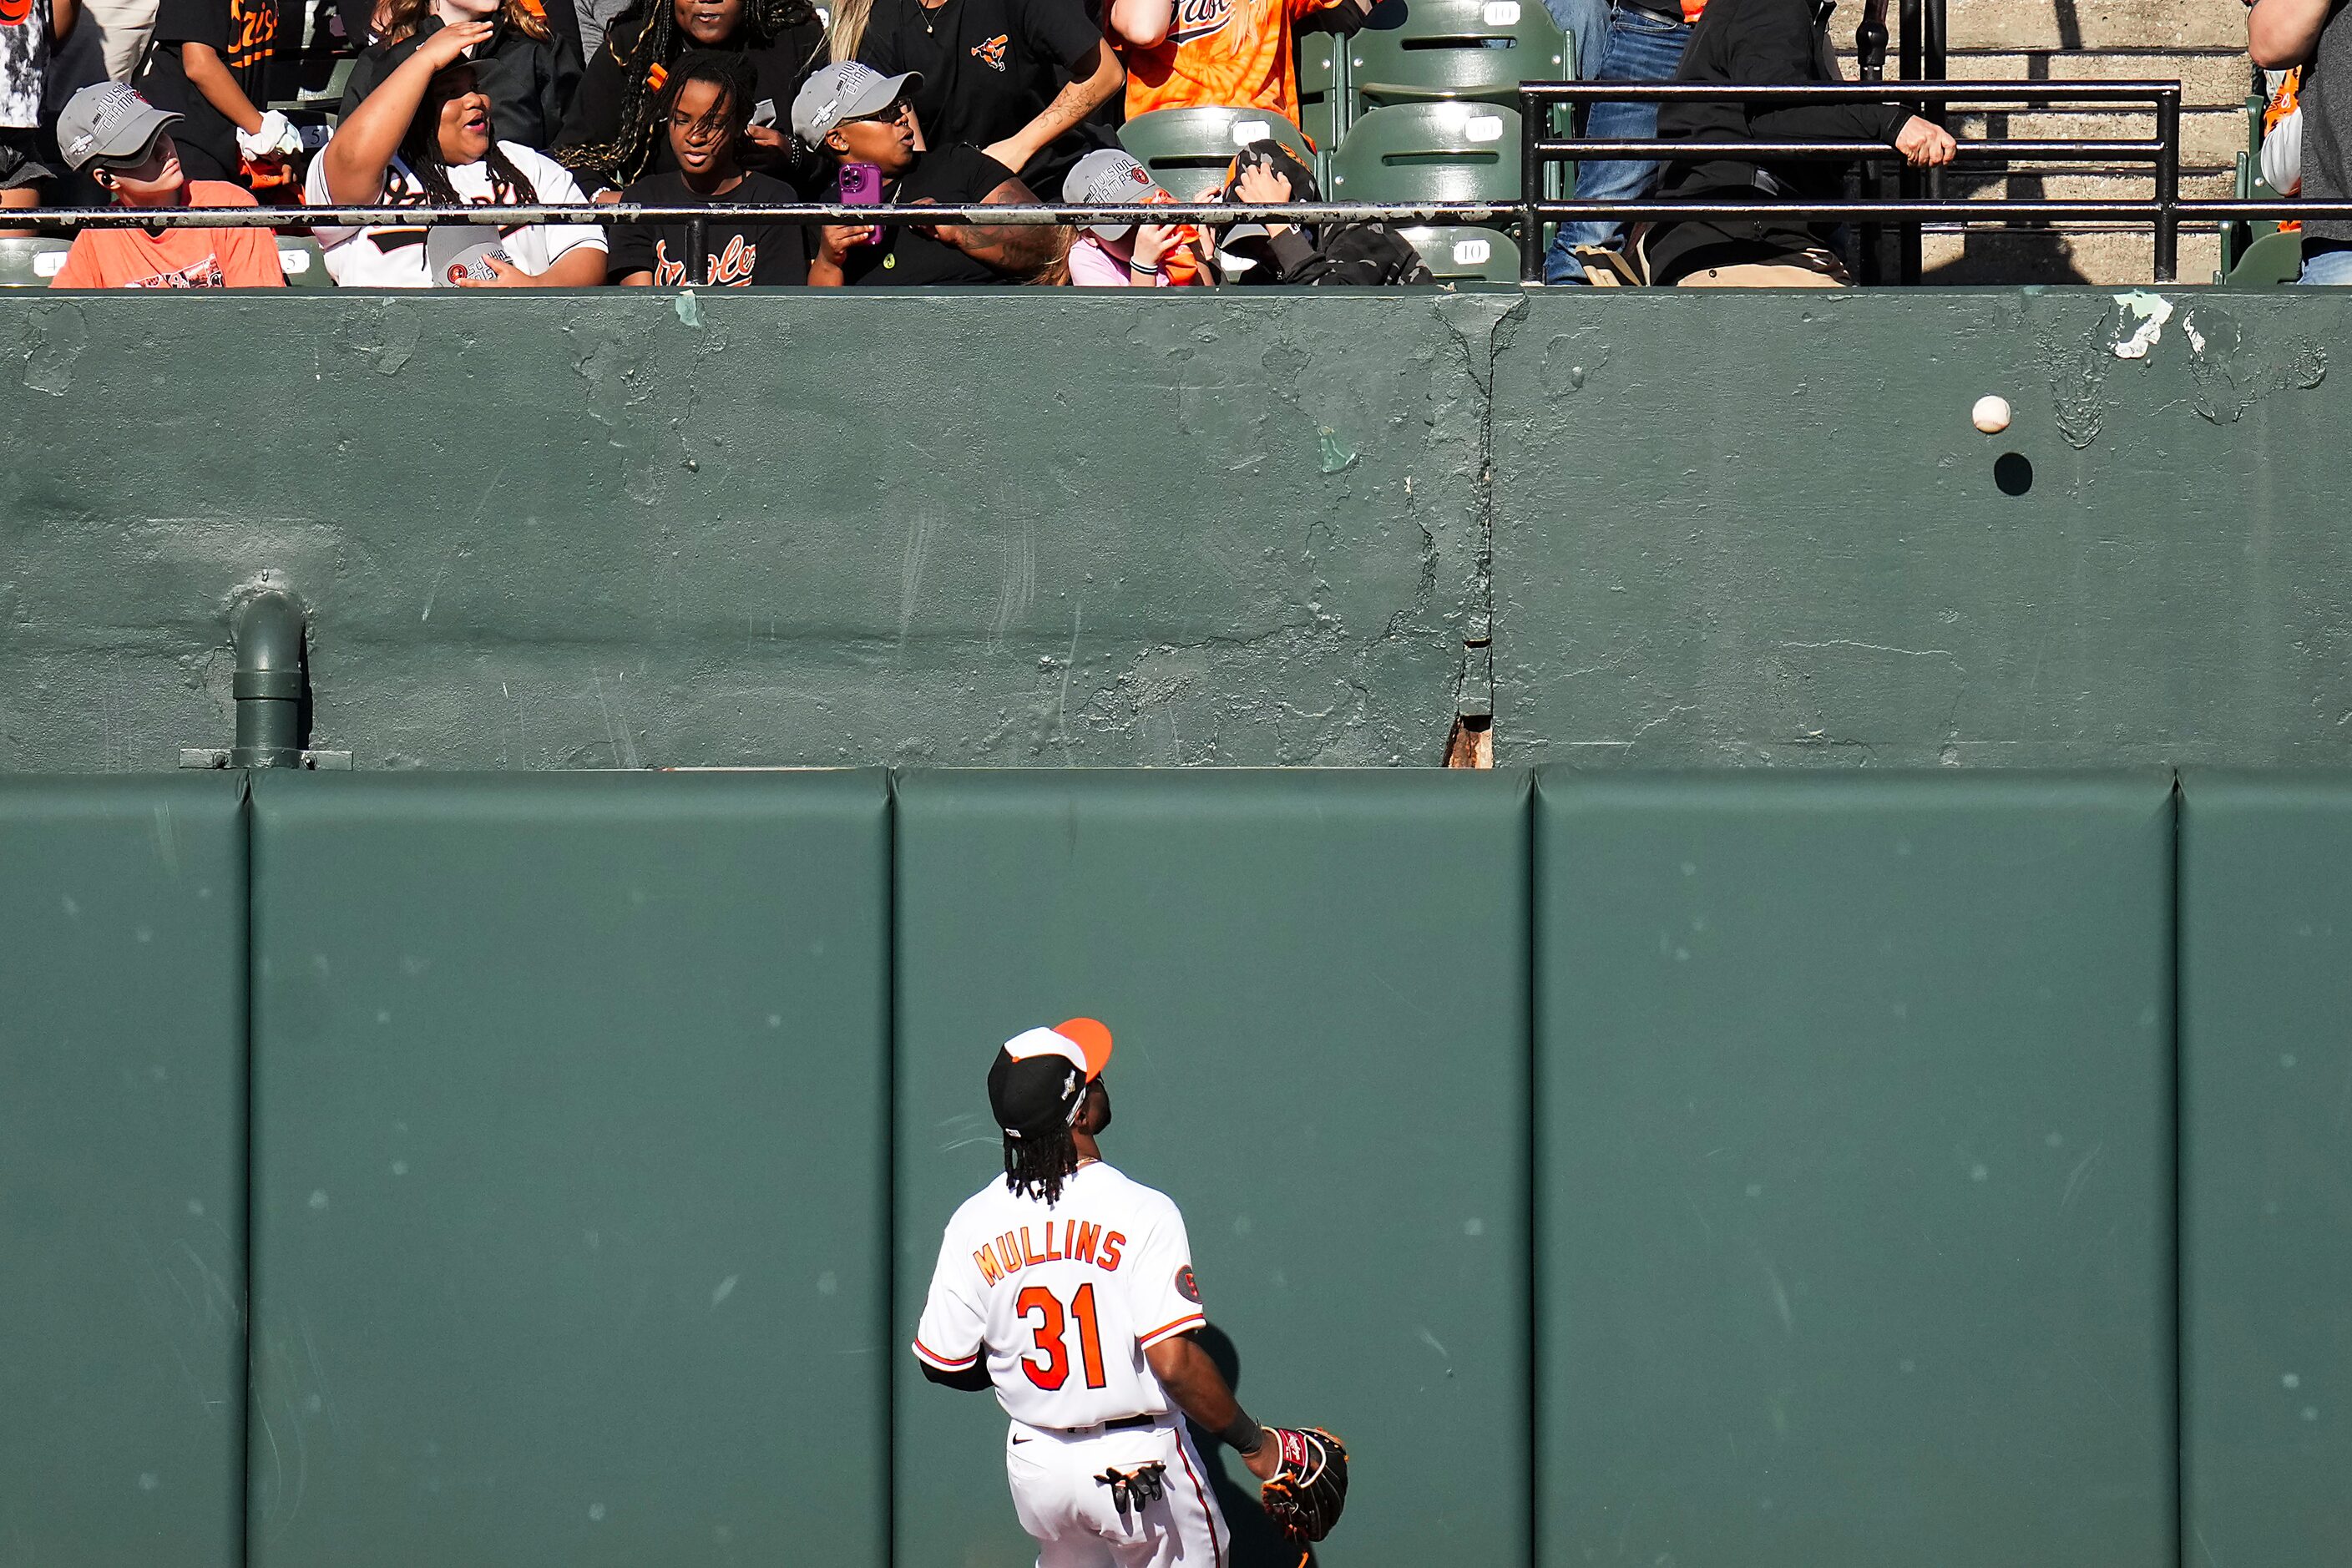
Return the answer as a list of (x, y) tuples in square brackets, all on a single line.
[(268, 682)]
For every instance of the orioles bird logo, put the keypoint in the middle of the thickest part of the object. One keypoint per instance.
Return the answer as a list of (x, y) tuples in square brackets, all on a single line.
[(990, 52), (13, 13)]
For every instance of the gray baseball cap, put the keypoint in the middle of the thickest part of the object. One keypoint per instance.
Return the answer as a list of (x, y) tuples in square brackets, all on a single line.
[(1109, 175), (844, 90), (109, 123)]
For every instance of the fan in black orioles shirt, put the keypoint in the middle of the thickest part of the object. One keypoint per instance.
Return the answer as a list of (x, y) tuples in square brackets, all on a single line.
[(856, 116), (706, 104), (1016, 78), (207, 64)]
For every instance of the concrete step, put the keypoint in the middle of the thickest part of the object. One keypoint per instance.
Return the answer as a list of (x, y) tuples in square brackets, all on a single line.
[(2210, 138), (2094, 25), (2078, 186), (2108, 257), (2209, 78)]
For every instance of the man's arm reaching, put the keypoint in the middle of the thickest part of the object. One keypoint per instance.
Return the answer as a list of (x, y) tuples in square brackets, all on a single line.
[(1199, 1389)]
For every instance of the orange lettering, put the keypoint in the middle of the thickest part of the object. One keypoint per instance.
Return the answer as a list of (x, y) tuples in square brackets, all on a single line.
[(989, 1272), (1005, 1249), (1027, 1256), (1081, 1247), (1051, 1256), (1110, 1246)]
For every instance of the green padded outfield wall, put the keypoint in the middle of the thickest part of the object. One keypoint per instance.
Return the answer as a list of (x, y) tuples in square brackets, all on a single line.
[(1855, 1196), (2266, 1168), (121, 1172), (1318, 985), (570, 1170), (1703, 527)]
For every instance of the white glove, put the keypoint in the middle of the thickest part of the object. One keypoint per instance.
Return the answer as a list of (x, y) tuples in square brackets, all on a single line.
[(275, 139)]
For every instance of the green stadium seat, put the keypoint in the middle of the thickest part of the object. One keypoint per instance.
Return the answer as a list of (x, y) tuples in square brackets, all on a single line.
[(304, 262), (2269, 262), (1322, 94), (1187, 150), (1445, 151), (1460, 254), (1455, 49), (28, 263)]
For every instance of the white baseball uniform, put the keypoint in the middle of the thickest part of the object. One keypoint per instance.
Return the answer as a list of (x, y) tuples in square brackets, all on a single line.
[(1063, 1299)]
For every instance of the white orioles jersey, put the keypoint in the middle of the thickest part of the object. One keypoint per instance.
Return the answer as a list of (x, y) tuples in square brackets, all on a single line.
[(1062, 1299)]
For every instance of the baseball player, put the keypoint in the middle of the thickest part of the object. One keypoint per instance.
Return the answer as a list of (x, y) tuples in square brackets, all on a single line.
[(1068, 1288)]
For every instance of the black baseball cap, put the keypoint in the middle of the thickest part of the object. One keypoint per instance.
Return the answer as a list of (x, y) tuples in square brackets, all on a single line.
[(1040, 1076)]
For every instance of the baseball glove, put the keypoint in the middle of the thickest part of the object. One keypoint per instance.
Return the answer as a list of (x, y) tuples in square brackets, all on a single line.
[(1306, 1495)]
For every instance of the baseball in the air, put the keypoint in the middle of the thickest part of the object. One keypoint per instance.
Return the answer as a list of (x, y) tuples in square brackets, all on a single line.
[(1991, 414)]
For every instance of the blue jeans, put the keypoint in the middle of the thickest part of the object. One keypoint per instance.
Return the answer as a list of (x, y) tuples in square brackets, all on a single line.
[(1637, 46), (2327, 261)]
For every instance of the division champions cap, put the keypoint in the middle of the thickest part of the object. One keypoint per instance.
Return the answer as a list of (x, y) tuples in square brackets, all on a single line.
[(1040, 1076)]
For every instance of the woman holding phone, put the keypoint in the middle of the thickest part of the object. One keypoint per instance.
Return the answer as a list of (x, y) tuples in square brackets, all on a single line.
[(861, 118)]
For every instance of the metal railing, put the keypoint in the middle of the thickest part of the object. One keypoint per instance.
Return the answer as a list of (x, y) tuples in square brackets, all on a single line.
[(2164, 211), (2160, 151)]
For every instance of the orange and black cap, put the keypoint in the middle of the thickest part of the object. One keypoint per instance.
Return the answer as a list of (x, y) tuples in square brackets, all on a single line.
[(1040, 1076)]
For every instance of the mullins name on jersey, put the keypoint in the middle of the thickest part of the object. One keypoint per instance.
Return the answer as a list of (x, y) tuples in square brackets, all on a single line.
[(1081, 1241)]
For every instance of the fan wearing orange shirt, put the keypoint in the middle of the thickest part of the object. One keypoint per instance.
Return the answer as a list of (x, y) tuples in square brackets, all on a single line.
[(124, 143), (1201, 54)]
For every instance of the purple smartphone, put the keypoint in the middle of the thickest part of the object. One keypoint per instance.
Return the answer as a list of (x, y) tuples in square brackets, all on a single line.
[(861, 186)]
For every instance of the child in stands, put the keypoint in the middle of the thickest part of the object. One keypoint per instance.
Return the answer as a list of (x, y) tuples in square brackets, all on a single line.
[(209, 63), (1122, 255), (706, 104), (125, 143)]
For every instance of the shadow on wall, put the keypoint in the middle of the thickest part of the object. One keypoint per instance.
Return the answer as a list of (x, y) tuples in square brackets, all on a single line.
[(1257, 1542)]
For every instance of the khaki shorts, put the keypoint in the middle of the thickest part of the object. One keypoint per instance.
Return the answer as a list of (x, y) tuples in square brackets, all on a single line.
[(1818, 270)]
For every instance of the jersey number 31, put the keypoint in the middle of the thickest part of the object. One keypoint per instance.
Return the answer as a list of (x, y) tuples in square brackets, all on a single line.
[(1054, 1370)]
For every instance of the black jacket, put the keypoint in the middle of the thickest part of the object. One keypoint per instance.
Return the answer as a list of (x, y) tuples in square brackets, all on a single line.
[(529, 83), (1759, 43), (1370, 255), (595, 118)]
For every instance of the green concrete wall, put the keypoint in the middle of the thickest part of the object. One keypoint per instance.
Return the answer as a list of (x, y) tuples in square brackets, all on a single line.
[(1038, 527), (570, 1130), (122, 1171), (2266, 1160), (1855, 1210), (1739, 1169)]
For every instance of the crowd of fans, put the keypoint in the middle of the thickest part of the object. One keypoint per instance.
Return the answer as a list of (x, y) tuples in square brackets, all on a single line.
[(961, 102)]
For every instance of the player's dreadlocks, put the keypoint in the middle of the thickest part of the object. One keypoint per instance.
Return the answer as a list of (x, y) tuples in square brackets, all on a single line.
[(421, 147), (643, 41), (1038, 1161)]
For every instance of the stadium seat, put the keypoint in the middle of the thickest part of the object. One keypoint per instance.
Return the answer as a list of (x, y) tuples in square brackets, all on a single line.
[(1322, 94), (1187, 150), (1460, 254), (2275, 259), (1446, 152), (305, 264), (31, 263), (1411, 50)]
